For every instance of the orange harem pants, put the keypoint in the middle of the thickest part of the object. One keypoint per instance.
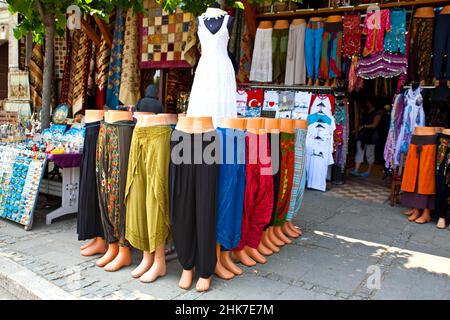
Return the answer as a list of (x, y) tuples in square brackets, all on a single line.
[(258, 197), (420, 170)]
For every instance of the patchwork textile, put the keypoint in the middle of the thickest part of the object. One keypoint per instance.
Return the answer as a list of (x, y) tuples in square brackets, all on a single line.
[(167, 40)]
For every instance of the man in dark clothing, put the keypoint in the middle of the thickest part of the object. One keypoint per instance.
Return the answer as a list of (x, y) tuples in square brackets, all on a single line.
[(150, 102)]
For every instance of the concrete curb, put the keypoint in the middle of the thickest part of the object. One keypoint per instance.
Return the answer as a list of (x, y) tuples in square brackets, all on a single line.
[(27, 285)]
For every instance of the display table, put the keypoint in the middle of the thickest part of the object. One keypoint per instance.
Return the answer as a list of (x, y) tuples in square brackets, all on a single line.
[(69, 189)]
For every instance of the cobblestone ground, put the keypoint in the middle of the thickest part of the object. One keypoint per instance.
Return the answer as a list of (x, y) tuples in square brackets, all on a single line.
[(350, 250), (4, 295)]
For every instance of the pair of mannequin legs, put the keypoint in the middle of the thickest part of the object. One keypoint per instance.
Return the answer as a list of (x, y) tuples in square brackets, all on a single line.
[(93, 247), (115, 258), (441, 224), (152, 266), (419, 216), (225, 268)]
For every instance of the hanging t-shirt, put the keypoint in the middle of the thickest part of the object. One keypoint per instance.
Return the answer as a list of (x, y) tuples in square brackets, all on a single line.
[(271, 99), (319, 150), (286, 101), (255, 98), (302, 102), (322, 104), (241, 101)]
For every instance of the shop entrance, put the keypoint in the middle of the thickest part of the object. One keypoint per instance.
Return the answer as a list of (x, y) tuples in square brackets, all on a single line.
[(4, 71)]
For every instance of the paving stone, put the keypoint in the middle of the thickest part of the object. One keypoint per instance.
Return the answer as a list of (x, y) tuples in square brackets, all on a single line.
[(331, 292), (343, 295), (308, 286)]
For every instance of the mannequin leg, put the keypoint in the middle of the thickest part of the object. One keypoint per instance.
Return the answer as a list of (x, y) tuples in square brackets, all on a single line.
[(289, 232), (97, 247), (317, 83), (274, 238), (327, 83), (186, 279), (243, 258), (111, 253), (123, 259), (203, 284), (255, 255), (408, 212), (441, 223), (90, 243), (294, 228), (310, 82), (334, 84), (265, 239), (437, 83), (280, 235), (221, 271), (226, 261), (158, 268), (415, 215), (425, 217), (144, 266), (265, 251)]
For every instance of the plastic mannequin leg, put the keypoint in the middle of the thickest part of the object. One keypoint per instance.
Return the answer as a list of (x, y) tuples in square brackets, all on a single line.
[(274, 238), (317, 83), (144, 266), (221, 271), (280, 235), (264, 250), (203, 284), (425, 217), (186, 279), (225, 258), (310, 82), (98, 247), (265, 239), (123, 259), (294, 228), (90, 243), (408, 212), (255, 255), (111, 253), (415, 215), (158, 268), (287, 231), (441, 223), (243, 257)]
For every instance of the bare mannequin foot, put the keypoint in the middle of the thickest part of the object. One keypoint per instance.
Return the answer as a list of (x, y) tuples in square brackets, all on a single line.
[(425, 218), (222, 272), (310, 82), (293, 228), (327, 83), (408, 212), (334, 84), (290, 233), (123, 259), (186, 279), (255, 255), (437, 83), (157, 270), (226, 261), (415, 215), (90, 243), (422, 83), (264, 250), (448, 84), (317, 83), (243, 257), (113, 250), (265, 239), (441, 223), (144, 266), (98, 247), (280, 235), (274, 239), (203, 284)]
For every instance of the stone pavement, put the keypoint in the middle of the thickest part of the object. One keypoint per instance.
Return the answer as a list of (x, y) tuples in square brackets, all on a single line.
[(350, 250), (4, 295)]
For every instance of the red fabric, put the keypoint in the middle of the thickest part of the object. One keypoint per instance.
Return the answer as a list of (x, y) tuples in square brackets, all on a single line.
[(101, 98), (258, 198), (322, 96), (255, 97), (351, 37)]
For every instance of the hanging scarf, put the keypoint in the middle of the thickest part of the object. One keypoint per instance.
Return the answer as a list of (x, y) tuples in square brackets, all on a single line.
[(80, 76), (101, 76), (115, 65), (65, 83), (36, 76), (245, 57), (130, 78)]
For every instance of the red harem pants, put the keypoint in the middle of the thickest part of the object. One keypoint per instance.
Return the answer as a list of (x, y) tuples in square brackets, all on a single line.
[(287, 147), (258, 198)]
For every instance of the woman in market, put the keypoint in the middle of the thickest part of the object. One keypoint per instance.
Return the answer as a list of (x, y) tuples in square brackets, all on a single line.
[(367, 137)]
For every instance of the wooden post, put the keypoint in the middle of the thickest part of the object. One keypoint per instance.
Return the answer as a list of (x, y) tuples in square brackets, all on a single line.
[(90, 32)]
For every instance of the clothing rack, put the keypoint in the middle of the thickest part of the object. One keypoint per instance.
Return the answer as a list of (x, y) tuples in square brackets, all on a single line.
[(313, 89), (302, 13)]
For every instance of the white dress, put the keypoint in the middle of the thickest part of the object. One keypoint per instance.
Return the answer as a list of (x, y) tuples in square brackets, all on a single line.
[(213, 93), (262, 67)]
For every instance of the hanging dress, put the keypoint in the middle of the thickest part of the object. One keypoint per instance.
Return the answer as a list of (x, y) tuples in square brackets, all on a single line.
[(213, 93)]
